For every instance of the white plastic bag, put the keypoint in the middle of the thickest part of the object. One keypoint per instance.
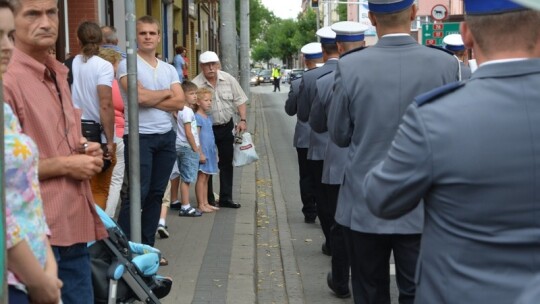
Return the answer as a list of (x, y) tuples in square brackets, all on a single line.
[(244, 153)]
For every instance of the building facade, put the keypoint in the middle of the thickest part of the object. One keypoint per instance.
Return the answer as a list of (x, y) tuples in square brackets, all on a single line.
[(193, 24)]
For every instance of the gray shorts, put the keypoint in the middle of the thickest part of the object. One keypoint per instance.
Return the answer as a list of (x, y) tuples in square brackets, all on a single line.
[(188, 164)]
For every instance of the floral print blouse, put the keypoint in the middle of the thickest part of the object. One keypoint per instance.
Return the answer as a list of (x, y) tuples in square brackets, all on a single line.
[(25, 219)]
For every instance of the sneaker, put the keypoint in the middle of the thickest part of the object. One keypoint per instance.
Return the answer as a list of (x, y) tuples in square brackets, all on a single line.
[(176, 205), (162, 231), (192, 212)]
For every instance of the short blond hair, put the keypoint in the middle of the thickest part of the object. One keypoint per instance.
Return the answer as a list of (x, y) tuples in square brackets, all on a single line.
[(202, 91)]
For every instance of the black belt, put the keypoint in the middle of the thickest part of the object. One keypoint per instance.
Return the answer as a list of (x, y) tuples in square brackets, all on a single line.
[(222, 125)]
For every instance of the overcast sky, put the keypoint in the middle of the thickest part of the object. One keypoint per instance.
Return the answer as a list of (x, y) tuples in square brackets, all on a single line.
[(284, 8)]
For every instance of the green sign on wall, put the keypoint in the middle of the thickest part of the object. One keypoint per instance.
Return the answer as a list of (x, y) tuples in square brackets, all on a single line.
[(433, 33)]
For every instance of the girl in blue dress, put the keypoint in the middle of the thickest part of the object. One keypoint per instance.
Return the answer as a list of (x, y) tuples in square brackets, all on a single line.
[(208, 153)]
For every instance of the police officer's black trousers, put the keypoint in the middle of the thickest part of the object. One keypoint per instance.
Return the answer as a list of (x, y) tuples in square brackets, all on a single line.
[(369, 255), (340, 257), (309, 208)]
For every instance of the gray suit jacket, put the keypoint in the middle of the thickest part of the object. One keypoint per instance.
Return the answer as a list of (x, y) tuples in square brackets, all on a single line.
[(531, 293), (335, 157), (308, 93), (465, 71), (302, 129), (473, 154), (372, 89)]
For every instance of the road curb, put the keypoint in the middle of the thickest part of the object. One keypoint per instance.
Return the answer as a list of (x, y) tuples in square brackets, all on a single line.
[(291, 273)]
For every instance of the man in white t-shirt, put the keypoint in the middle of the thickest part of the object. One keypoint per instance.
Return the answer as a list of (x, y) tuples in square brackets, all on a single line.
[(159, 94)]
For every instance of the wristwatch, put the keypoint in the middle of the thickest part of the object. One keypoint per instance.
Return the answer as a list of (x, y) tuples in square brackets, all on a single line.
[(243, 120)]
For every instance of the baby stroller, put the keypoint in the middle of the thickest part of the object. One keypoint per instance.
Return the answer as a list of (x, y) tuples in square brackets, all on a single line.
[(125, 272)]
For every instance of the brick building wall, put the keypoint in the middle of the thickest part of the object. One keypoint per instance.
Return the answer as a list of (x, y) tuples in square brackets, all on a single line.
[(79, 11)]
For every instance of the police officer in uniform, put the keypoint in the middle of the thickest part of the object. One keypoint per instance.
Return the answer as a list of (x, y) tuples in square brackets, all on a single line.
[(318, 141), (312, 55), (349, 37), (454, 44), (372, 89), (472, 151)]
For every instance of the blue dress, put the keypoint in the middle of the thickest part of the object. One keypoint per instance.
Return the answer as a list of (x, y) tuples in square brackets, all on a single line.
[(208, 144)]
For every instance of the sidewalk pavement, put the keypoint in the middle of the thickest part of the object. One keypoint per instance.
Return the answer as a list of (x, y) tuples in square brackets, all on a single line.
[(235, 255)]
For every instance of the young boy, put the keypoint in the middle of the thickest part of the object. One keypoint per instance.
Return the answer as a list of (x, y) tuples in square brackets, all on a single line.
[(187, 149)]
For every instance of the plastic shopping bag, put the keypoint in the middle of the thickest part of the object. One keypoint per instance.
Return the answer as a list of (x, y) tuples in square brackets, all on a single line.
[(244, 152)]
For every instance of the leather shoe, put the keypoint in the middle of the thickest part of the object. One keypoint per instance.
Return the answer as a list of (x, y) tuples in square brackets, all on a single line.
[(326, 250), (229, 204), (310, 219), (340, 294)]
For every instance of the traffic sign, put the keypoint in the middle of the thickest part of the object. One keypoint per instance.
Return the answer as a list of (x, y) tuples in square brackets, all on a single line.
[(433, 33), (439, 12)]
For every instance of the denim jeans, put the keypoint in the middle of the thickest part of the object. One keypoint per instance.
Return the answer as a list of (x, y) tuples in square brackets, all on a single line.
[(188, 164), (157, 156), (75, 271), (17, 296)]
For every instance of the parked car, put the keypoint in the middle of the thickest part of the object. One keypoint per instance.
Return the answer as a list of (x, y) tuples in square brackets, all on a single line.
[(285, 76), (295, 74), (265, 76), (254, 79)]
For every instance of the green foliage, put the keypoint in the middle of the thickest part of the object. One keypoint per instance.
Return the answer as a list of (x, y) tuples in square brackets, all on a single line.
[(259, 18), (261, 52), (306, 26), (342, 11), (284, 38)]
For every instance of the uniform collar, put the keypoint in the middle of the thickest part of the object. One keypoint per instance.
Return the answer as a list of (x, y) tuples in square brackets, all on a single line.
[(507, 68), (395, 40)]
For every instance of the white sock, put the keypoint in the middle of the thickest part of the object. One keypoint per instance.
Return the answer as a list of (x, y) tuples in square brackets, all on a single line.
[(162, 221), (186, 206)]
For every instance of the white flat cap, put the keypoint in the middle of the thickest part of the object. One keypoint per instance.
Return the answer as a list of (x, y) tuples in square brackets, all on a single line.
[(312, 50), (349, 31), (208, 56), (327, 35), (453, 42)]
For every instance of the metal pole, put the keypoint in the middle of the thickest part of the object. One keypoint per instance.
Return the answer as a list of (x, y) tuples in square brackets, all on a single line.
[(318, 20), (244, 46), (229, 58), (3, 253), (133, 118)]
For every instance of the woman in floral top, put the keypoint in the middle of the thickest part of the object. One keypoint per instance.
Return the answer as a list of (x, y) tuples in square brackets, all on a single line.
[(30, 260)]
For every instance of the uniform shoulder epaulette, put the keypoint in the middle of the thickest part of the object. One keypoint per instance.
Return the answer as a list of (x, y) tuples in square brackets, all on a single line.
[(430, 96), (324, 74), (440, 49), (353, 51)]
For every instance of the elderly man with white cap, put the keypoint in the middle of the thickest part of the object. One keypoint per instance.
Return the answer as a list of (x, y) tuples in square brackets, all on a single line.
[(453, 43), (229, 99), (312, 53), (471, 150), (349, 39), (372, 89)]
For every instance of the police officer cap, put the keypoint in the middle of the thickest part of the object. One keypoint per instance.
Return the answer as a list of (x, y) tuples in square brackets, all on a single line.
[(312, 50), (534, 4), (388, 6), (453, 42), (208, 56), (327, 35), (349, 31), (483, 7)]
